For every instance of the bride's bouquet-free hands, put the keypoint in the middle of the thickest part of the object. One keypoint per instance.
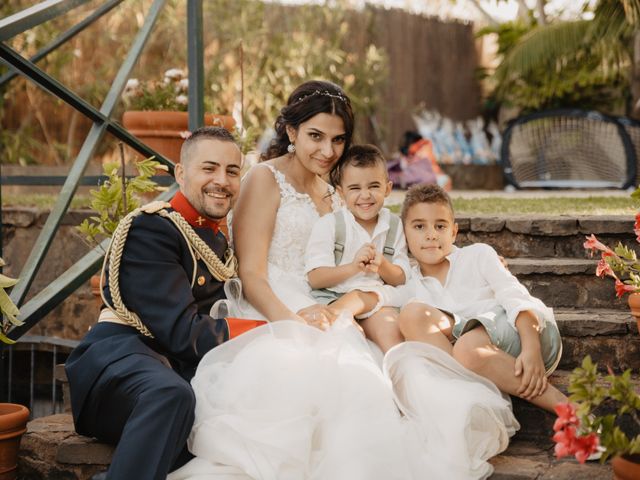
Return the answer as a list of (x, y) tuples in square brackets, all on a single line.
[(323, 317), (319, 316)]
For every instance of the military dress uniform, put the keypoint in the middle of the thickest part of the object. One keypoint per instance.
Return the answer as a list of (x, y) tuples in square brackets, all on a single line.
[(132, 389)]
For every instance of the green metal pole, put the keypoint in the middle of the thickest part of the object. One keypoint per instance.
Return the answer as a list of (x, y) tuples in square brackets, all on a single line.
[(195, 55)]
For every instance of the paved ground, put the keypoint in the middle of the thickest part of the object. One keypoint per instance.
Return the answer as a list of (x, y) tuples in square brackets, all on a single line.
[(525, 460)]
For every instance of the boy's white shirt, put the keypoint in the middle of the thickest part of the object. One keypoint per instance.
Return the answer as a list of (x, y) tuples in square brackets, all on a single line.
[(320, 248), (476, 283)]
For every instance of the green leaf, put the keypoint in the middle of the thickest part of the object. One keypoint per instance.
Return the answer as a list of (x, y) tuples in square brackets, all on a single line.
[(5, 339), (6, 282), (7, 307)]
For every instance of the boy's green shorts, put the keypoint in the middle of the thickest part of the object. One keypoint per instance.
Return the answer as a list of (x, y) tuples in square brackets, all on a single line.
[(506, 338)]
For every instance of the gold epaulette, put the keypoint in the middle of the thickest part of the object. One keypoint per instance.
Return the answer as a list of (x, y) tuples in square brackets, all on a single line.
[(154, 207)]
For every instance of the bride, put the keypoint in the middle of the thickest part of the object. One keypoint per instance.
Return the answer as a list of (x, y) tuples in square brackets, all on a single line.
[(298, 398)]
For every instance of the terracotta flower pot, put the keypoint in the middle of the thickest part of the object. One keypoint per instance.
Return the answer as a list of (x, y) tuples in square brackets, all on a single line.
[(626, 467), (13, 423), (634, 305), (161, 129)]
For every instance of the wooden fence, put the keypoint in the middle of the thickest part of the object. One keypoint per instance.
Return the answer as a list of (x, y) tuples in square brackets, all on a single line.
[(431, 63)]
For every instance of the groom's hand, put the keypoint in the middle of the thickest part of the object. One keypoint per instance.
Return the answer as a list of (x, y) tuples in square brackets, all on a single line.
[(319, 316)]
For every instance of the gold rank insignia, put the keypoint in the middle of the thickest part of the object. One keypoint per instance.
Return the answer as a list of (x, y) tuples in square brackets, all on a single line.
[(201, 280)]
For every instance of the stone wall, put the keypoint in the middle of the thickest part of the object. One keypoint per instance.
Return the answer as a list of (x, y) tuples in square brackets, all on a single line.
[(526, 239), (20, 229)]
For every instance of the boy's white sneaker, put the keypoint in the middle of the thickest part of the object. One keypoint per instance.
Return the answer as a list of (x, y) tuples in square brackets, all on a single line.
[(597, 455)]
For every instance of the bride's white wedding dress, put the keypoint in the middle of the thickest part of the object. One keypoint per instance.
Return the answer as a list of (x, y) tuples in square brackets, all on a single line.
[(287, 401)]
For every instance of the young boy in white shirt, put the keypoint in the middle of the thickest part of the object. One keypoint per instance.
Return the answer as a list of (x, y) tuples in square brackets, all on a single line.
[(358, 272), (464, 301)]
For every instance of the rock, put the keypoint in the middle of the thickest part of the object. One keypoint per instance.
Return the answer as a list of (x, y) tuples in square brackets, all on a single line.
[(52, 450), (487, 224), (611, 224), (557, 226)]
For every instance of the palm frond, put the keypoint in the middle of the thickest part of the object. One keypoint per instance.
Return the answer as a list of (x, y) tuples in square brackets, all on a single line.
[(615, 19), (543, 45), (632, 12)]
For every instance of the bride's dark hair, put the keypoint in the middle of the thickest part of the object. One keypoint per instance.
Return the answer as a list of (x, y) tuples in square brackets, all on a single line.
[(306, 101)]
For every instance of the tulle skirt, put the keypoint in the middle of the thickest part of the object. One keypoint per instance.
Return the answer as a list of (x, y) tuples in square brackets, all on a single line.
[(462, 418), (292, 290), (287, 401)]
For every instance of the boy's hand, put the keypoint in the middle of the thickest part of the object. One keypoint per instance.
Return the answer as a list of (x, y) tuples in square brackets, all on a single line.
[(530, 367), (364, 256), (374, 264)]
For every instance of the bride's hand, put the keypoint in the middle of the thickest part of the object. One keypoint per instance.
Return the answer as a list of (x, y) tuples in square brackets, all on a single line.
[(319, 316)]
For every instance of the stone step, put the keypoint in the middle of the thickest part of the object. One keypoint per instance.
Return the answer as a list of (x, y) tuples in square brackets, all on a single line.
[(51, 449), (566, 282), (527, 460), (536, 424), (544, 236), (611, 338)]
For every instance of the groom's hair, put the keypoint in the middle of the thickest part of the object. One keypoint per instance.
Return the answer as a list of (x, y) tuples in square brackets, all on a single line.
[(360, 156), (425, 193), (202, 133)]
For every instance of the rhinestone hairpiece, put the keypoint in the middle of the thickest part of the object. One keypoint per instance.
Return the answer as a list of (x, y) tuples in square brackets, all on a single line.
[(324, 93)]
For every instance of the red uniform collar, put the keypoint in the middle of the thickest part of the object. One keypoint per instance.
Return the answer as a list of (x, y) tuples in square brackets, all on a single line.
[(181, 205)]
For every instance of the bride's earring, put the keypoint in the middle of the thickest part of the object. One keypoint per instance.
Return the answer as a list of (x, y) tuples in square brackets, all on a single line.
[(291, 148)]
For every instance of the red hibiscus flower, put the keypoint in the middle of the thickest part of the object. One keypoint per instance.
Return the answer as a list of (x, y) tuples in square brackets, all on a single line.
[(566, 416), (593, 244), (564, 441), (584, 446), (622, 288), (567, 441), (604, 269)]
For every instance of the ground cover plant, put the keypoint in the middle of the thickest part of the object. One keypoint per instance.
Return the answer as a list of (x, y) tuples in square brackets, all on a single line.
[(593, 205)]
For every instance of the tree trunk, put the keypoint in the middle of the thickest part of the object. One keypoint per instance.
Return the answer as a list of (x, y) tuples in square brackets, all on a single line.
[(490, 20), (542, 17), (523, 11)]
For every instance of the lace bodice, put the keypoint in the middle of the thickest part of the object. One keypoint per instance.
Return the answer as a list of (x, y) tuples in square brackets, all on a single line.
[(295, 218)]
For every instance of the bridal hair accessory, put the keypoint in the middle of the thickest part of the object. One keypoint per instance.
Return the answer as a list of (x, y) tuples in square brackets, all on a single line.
[(291, 148), (324, 93)]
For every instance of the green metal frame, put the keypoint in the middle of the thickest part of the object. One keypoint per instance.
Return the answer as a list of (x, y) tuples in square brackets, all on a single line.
[(51, 296)]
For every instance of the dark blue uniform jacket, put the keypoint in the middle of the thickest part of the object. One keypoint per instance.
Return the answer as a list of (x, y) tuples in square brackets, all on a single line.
[(155, 277)]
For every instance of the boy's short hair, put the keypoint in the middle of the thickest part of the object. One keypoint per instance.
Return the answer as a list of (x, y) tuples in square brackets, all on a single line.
[(211, 133), (425, 193), (362, 156)]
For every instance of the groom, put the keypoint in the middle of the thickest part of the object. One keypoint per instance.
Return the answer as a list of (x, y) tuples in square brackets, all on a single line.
[(129, 376)]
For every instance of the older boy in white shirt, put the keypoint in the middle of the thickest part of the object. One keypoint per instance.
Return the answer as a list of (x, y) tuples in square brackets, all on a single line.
[(358, 273), (466, 302)]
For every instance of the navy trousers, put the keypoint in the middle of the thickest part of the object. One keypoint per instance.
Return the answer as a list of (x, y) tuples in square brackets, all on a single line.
[(148, 410)]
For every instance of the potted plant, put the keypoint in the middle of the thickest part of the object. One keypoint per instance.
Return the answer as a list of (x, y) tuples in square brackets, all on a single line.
[(602, 416), (113, 200), (620, 263), (13, 417), (157, 112)]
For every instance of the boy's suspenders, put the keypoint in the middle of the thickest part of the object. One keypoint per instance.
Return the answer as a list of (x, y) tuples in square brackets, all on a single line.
[(341, 234), (341, 227)]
